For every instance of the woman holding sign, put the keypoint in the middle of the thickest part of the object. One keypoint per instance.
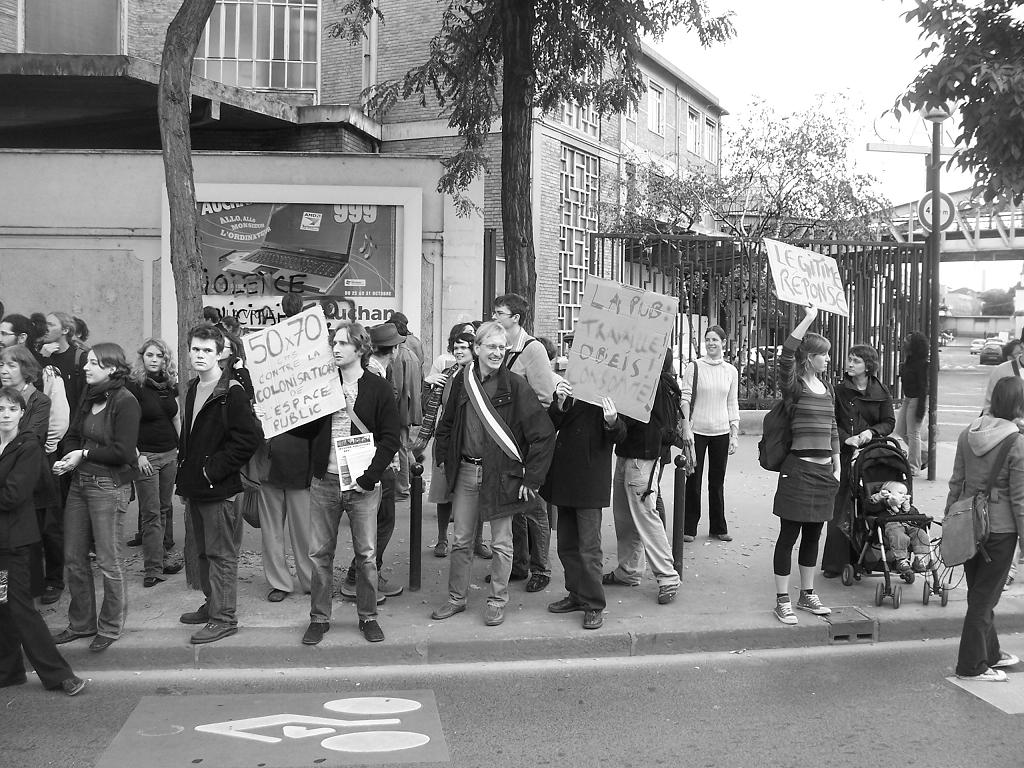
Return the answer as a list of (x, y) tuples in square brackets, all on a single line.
[(495, 443), (809, 477)]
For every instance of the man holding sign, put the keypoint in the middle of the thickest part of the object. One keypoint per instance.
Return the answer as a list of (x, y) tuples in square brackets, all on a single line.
[(369, 409)]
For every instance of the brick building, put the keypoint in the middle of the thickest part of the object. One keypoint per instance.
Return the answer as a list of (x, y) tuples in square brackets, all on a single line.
[(269, 79)]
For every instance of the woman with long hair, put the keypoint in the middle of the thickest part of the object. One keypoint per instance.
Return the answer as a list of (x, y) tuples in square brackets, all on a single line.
[(809, 477), (977, 450), (102, 457), (914, 379), (711, 404), (154, 382), (22, 629)]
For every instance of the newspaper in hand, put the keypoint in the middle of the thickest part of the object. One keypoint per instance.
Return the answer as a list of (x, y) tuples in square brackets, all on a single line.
[(354, 455)]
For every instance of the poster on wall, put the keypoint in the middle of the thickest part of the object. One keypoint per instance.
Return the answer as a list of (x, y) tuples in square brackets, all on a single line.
[(341, 256)]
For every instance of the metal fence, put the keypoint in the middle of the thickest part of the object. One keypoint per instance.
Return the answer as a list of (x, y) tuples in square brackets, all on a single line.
[(726, 282)]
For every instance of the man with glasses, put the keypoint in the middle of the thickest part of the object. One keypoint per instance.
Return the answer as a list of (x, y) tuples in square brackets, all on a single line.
[(531, 530)]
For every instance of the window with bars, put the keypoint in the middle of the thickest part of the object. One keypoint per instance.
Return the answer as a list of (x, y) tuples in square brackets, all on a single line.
[(693, 131), (578, 198), (711, 140), (262, 44), (582, 117)]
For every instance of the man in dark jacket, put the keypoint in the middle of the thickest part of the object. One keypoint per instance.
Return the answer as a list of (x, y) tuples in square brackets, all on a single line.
[(495, 455), (577, 484), (370, 407), (219, 433)]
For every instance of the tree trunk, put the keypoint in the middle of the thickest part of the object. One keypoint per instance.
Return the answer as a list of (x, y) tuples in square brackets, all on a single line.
[(175, 108), (518, 87)]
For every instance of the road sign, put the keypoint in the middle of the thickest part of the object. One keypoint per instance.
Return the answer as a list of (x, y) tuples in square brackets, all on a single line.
[(947, 209)]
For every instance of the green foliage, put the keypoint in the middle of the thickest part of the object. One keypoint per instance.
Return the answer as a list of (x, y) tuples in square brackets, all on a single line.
[(977, 53), (997, 301)]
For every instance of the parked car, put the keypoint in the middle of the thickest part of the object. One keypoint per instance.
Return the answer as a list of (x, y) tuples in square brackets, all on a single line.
[(991, 353), (976, 346)]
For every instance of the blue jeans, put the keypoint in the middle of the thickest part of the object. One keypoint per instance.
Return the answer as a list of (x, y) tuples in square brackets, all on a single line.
[(94, 516), (531, 535), (218, 535), (327, 504), (466, 513), (155, 493)]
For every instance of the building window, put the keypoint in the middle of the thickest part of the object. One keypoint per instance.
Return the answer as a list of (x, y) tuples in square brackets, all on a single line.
[(262, 44), (693, 131), (631, 111), (581, 117), (711, 141), (656, 108), (82, 26), (578, 198)]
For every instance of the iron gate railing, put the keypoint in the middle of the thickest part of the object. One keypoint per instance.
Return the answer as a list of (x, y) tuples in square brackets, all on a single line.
[(725, 281)]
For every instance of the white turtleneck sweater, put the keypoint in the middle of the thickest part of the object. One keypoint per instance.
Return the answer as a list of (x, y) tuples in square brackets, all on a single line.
[(717, 406)]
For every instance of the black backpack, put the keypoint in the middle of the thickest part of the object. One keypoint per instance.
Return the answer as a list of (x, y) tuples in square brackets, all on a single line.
[(776, 436), (668, 412)]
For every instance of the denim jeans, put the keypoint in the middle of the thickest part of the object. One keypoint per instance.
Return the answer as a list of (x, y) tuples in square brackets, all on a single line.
[(908, 427), (466, 513), (155, 493), (327, 503), (94, 517), (639, 532), (23, 629), (579, 549), (531, 538), (979, 643), (218, 535)]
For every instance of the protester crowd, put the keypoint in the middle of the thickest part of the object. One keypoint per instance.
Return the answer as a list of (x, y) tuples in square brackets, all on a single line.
[(84, 429)]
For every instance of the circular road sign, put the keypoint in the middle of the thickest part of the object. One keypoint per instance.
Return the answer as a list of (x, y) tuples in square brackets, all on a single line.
[(946, 210)]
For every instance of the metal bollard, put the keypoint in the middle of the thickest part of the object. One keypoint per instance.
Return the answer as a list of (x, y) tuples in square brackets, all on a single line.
[(415, 525), (678, 514)]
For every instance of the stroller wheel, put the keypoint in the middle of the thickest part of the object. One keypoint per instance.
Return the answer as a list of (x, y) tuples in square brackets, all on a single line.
[(926, 593), (879, 594), (897, 596), (847, 575)]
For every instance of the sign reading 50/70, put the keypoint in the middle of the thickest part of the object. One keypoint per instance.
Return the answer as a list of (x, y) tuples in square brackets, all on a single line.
[(293, 372)]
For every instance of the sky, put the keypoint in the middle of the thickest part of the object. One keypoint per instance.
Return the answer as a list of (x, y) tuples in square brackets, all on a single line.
[(787, 51)]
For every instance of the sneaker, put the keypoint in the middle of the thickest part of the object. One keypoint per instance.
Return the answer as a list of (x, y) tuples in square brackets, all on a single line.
[(988, 676), (784, 612), (811, 602), (494, 615), (537, 582), (922, 563), (348, 591), (667, 593), (315, 632), (371, 630), (904, 567), (1006, 660), (387, 588), (73, 685)]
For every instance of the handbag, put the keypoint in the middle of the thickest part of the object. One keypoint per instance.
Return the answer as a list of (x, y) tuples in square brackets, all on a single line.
[(250, 506), (965, 527)]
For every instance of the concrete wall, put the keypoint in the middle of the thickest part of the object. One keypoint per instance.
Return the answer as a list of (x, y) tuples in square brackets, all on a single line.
[(82, 231)]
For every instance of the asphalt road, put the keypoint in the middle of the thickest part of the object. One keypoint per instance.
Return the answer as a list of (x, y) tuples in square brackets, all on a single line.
[(962, 382), (853, 706)]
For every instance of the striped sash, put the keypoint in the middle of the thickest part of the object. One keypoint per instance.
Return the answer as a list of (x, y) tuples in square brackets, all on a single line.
[(494, 425)]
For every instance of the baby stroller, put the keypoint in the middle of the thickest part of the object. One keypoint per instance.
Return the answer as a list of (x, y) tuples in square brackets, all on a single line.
[(881, 460)]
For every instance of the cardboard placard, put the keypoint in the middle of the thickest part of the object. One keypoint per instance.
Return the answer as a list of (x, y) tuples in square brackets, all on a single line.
[(293, 371), (804, 277), (619, 345)]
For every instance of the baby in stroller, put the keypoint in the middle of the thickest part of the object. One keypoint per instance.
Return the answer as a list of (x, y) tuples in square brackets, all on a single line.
[(902, 538)]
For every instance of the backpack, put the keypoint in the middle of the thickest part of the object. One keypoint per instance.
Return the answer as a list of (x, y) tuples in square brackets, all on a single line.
[(668, 412), (776, 435)]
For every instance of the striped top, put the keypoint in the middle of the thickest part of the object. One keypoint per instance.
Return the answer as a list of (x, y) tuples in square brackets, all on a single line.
[(814, 416), (717, 407)]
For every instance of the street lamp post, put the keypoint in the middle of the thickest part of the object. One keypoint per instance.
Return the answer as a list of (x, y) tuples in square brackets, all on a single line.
[(936, 116)]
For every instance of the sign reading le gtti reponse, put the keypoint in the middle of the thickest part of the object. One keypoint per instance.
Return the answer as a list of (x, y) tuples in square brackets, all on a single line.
[(293, 372), (805, 277), (619, 344)]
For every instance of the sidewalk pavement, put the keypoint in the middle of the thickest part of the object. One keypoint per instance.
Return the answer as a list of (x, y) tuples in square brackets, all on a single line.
[(725, 602)]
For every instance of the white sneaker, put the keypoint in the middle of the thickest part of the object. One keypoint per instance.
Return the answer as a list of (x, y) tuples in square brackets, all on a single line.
[(1006, 660), (784, 612), (988, 676), (809, 601)]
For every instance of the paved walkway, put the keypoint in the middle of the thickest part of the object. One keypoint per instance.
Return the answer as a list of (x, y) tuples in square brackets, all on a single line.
[(724, 603)]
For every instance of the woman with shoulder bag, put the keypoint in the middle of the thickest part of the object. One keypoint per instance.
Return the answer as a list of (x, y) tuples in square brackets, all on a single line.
[(710, 404), (809, 477), (102, 456), (980, 657)]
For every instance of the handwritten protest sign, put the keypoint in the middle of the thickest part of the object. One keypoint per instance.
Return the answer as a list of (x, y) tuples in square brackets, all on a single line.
[(293, 371), (805, 277), (619, 345)]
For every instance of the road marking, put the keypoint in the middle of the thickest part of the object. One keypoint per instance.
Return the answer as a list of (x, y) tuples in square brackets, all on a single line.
[(1008, 696), (280, 730)]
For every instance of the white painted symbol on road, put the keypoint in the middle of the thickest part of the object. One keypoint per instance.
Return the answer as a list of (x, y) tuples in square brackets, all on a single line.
[(296, 726)]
